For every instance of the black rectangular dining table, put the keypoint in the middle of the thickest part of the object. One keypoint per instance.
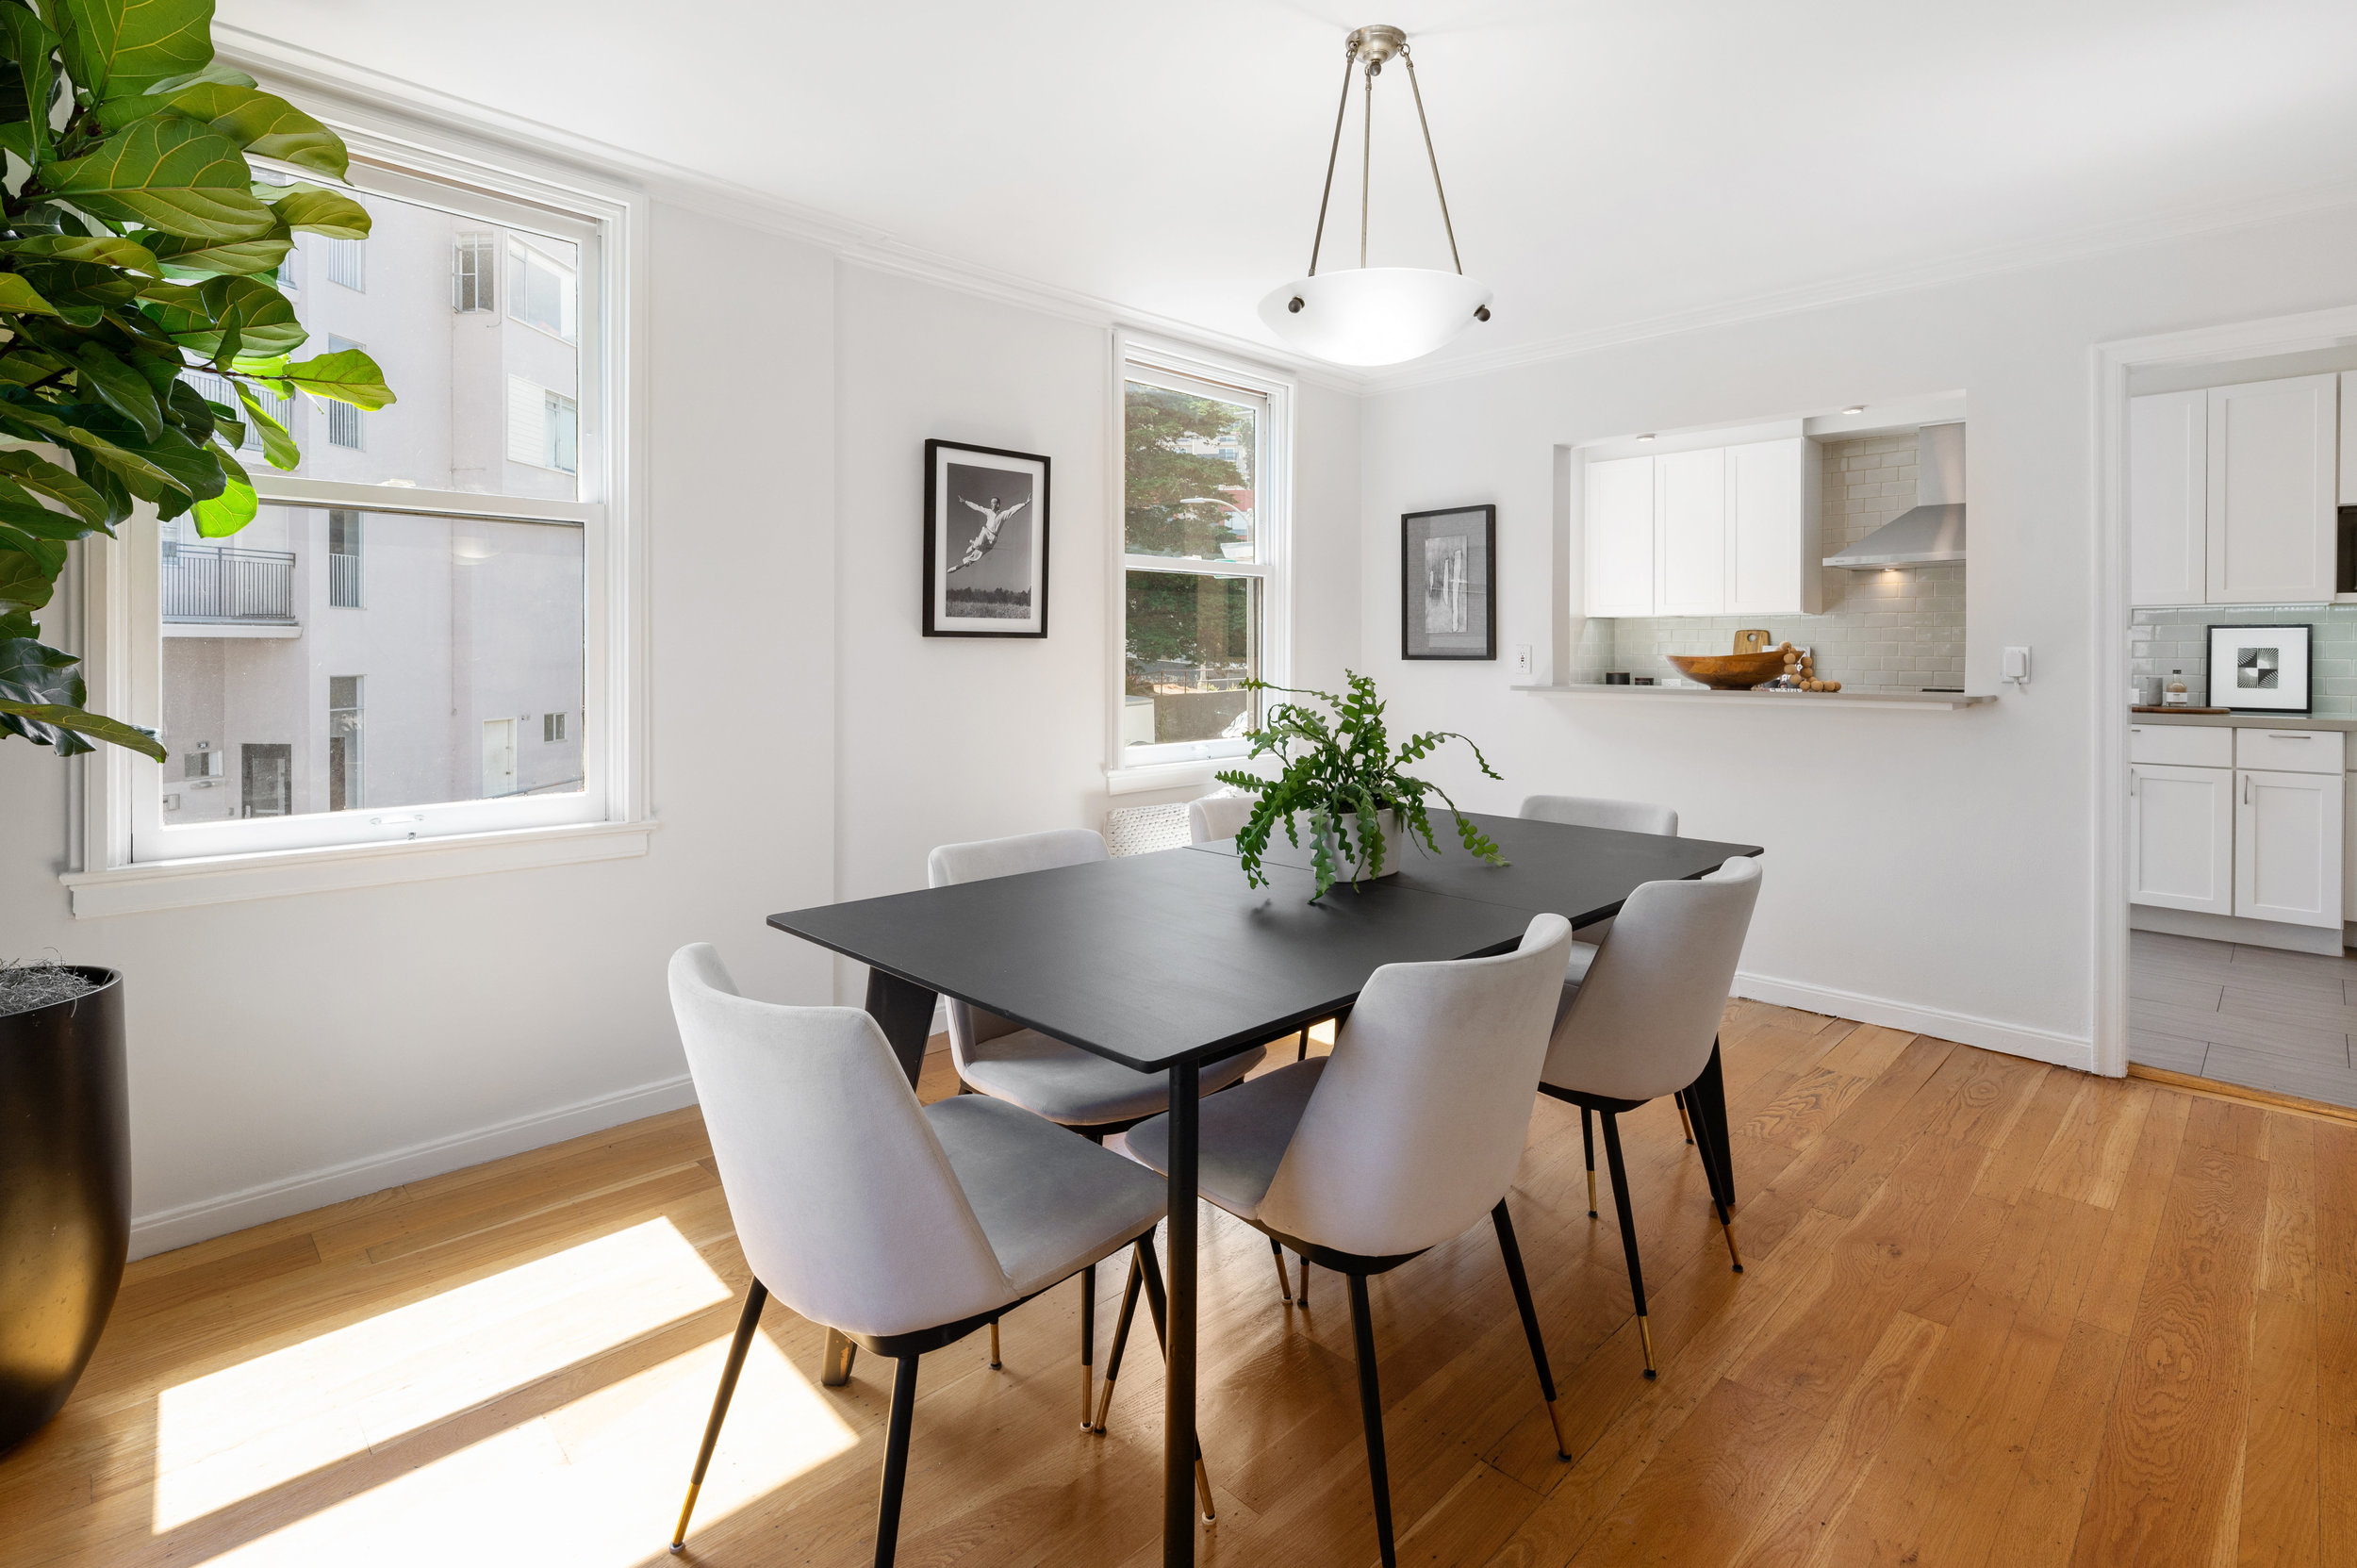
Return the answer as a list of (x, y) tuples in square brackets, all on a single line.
[(1169, 962)]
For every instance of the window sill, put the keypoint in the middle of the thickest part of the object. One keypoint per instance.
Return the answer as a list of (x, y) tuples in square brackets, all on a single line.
[(1166, 775), (227, 879)]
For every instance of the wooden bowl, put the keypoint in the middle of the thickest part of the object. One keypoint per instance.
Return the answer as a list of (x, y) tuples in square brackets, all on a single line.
[(1730, 671)]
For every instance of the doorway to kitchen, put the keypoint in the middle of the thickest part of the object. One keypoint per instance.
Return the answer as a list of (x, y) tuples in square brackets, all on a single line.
[(2227, 492)]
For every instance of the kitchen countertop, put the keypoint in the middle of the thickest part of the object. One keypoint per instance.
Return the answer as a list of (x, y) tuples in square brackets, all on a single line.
[(1888, 697), (2247, 720)]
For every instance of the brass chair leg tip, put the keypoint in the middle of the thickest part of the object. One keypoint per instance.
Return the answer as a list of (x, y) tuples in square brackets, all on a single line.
[(1650, 1374)]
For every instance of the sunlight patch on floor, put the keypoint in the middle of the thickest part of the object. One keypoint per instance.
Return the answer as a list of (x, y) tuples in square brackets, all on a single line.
[(595, 1484), (238, 1433)]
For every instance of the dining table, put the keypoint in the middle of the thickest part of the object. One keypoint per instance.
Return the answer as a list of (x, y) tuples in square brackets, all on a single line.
[(1171, 961)]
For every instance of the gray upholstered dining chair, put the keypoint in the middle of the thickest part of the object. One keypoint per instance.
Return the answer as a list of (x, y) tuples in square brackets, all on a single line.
[(1406, 1136), (1219, 815), (1643, 1024), (999, 1058), (901, 1227)]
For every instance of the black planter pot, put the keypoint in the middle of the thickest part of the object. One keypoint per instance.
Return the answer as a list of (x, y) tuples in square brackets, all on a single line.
[(65, 1195)]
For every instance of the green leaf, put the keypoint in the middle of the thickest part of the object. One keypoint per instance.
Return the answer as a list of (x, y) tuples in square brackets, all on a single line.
[(38, 473), (48, 553), (347, 375), (264, 124), (100, 250), (216, 72), (227, 512), (220, 257), (24, 583), (262, 318), (277, 446), (78, 285), (26, 365), (82, 723), (121, 388), (171, 175), (188, 408), (31, 82), (170, 470), (20, 298), (316, 209), (118, 48)]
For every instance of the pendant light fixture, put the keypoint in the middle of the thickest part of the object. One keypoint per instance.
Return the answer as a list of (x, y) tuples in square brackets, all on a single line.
[(1375, 315)]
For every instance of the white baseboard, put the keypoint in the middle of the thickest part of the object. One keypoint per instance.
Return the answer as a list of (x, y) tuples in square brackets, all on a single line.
[(2326, 940), (215, 1216), (2038, 1045)]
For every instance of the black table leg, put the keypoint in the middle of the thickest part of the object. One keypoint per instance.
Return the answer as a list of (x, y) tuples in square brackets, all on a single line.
[(1179, 1448), (906, 1013), (1707, 1102)]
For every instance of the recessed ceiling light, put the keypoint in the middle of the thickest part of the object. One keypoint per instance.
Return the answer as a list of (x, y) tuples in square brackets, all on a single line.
[(1645, 437), (1857, 408)]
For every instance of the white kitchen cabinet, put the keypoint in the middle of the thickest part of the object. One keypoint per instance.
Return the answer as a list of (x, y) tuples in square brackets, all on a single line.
[(1690, 509), (2348, 438), (1620, 544), (2168, 494), (2272, 487), (2181, 827), (2348, 846), (1775, 491), (2287, 847)]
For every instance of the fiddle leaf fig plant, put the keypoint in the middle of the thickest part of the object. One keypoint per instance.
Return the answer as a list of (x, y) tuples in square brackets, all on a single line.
[(1342, 775), (137, 242)]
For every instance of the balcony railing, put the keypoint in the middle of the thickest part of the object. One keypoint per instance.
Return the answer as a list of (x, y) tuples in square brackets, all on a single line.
[(344, 580), (215, 583)]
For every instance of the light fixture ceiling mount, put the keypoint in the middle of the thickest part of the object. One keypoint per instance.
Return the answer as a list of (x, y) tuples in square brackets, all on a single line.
[(1375, 315)]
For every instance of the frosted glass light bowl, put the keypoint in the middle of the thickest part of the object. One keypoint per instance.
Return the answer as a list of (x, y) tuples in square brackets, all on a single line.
[(1375, 315)]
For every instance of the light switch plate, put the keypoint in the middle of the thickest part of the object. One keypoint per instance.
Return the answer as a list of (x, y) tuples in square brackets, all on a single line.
[(1522, 659)]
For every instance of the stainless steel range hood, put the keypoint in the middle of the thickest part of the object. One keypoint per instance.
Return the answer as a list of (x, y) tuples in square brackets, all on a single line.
[(1933, 530)]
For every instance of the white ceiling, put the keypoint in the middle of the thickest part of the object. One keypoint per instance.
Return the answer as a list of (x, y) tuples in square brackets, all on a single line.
[(1608, 164)]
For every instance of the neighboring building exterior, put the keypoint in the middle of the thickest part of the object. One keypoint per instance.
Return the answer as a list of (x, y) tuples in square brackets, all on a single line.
[(336, 660)]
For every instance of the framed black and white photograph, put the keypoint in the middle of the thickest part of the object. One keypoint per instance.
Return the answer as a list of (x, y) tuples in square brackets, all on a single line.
[(1449, 584), (986, 542), (2260, 668)]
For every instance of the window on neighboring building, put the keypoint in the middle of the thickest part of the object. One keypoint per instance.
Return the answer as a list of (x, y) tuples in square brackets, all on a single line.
[(343, 742), (1202, 556), (465, 624), (543, 426), (540, 289), (346, 262), (214, 389), (473, 266), (345, 579)]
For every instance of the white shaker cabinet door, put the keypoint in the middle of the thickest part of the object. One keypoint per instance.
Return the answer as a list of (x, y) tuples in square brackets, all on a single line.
[(2167, 490), (1690, 538), (1773, 490), (1620, 529), (2287, 847), (2180, 844), (2272, 487), (2348, 847)]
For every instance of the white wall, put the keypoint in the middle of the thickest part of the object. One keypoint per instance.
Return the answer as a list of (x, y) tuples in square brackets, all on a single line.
[(1929, 867), (808, 744)]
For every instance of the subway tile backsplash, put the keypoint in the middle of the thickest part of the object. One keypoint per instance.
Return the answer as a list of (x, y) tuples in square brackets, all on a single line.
[(1902, 628), (2164, 641)]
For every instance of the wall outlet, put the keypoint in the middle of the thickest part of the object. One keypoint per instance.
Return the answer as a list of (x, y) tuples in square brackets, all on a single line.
[(1522, 659), (2017, 667)]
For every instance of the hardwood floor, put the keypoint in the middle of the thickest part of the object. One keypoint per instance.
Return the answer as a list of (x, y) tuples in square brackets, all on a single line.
[(1994, 1314), (2257, 1017)]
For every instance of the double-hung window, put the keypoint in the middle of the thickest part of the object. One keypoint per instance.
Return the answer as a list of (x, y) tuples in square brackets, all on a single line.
[(494, 589), (1205, 455)]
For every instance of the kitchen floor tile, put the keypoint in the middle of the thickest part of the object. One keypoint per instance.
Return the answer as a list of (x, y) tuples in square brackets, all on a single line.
[(2167, 1051), (2284, 1004), (2259, 1070), (2304, 1042), (2151, 982)]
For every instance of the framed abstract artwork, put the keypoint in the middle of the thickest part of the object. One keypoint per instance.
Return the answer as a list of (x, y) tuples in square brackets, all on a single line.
[(2261, 668), (1448, 580), (986, 542)]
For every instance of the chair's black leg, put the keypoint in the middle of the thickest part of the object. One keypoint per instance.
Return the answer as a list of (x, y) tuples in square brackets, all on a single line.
[(1301, 1292), (1284, 1281), (1370, 1409), (1520, 1281), (1587, 1145), (1302, 1054), (1121, 1338), (1726, 1226), (1677, 1098), (1628, 1232), (1153, 1269), (1088, 1347), (895, 1469), (747, 1321), (1706, 1099)]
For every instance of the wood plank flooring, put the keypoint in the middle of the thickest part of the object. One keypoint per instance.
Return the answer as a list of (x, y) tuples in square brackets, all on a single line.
[(1995, 1314), (2257, 1017)]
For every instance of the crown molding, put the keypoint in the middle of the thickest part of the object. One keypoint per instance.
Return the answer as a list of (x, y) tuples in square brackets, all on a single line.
[(1988, 261), (372, 94)]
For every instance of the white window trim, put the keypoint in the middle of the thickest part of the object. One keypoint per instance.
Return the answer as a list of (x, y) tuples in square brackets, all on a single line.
[(1184, 765), (399, 155)]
